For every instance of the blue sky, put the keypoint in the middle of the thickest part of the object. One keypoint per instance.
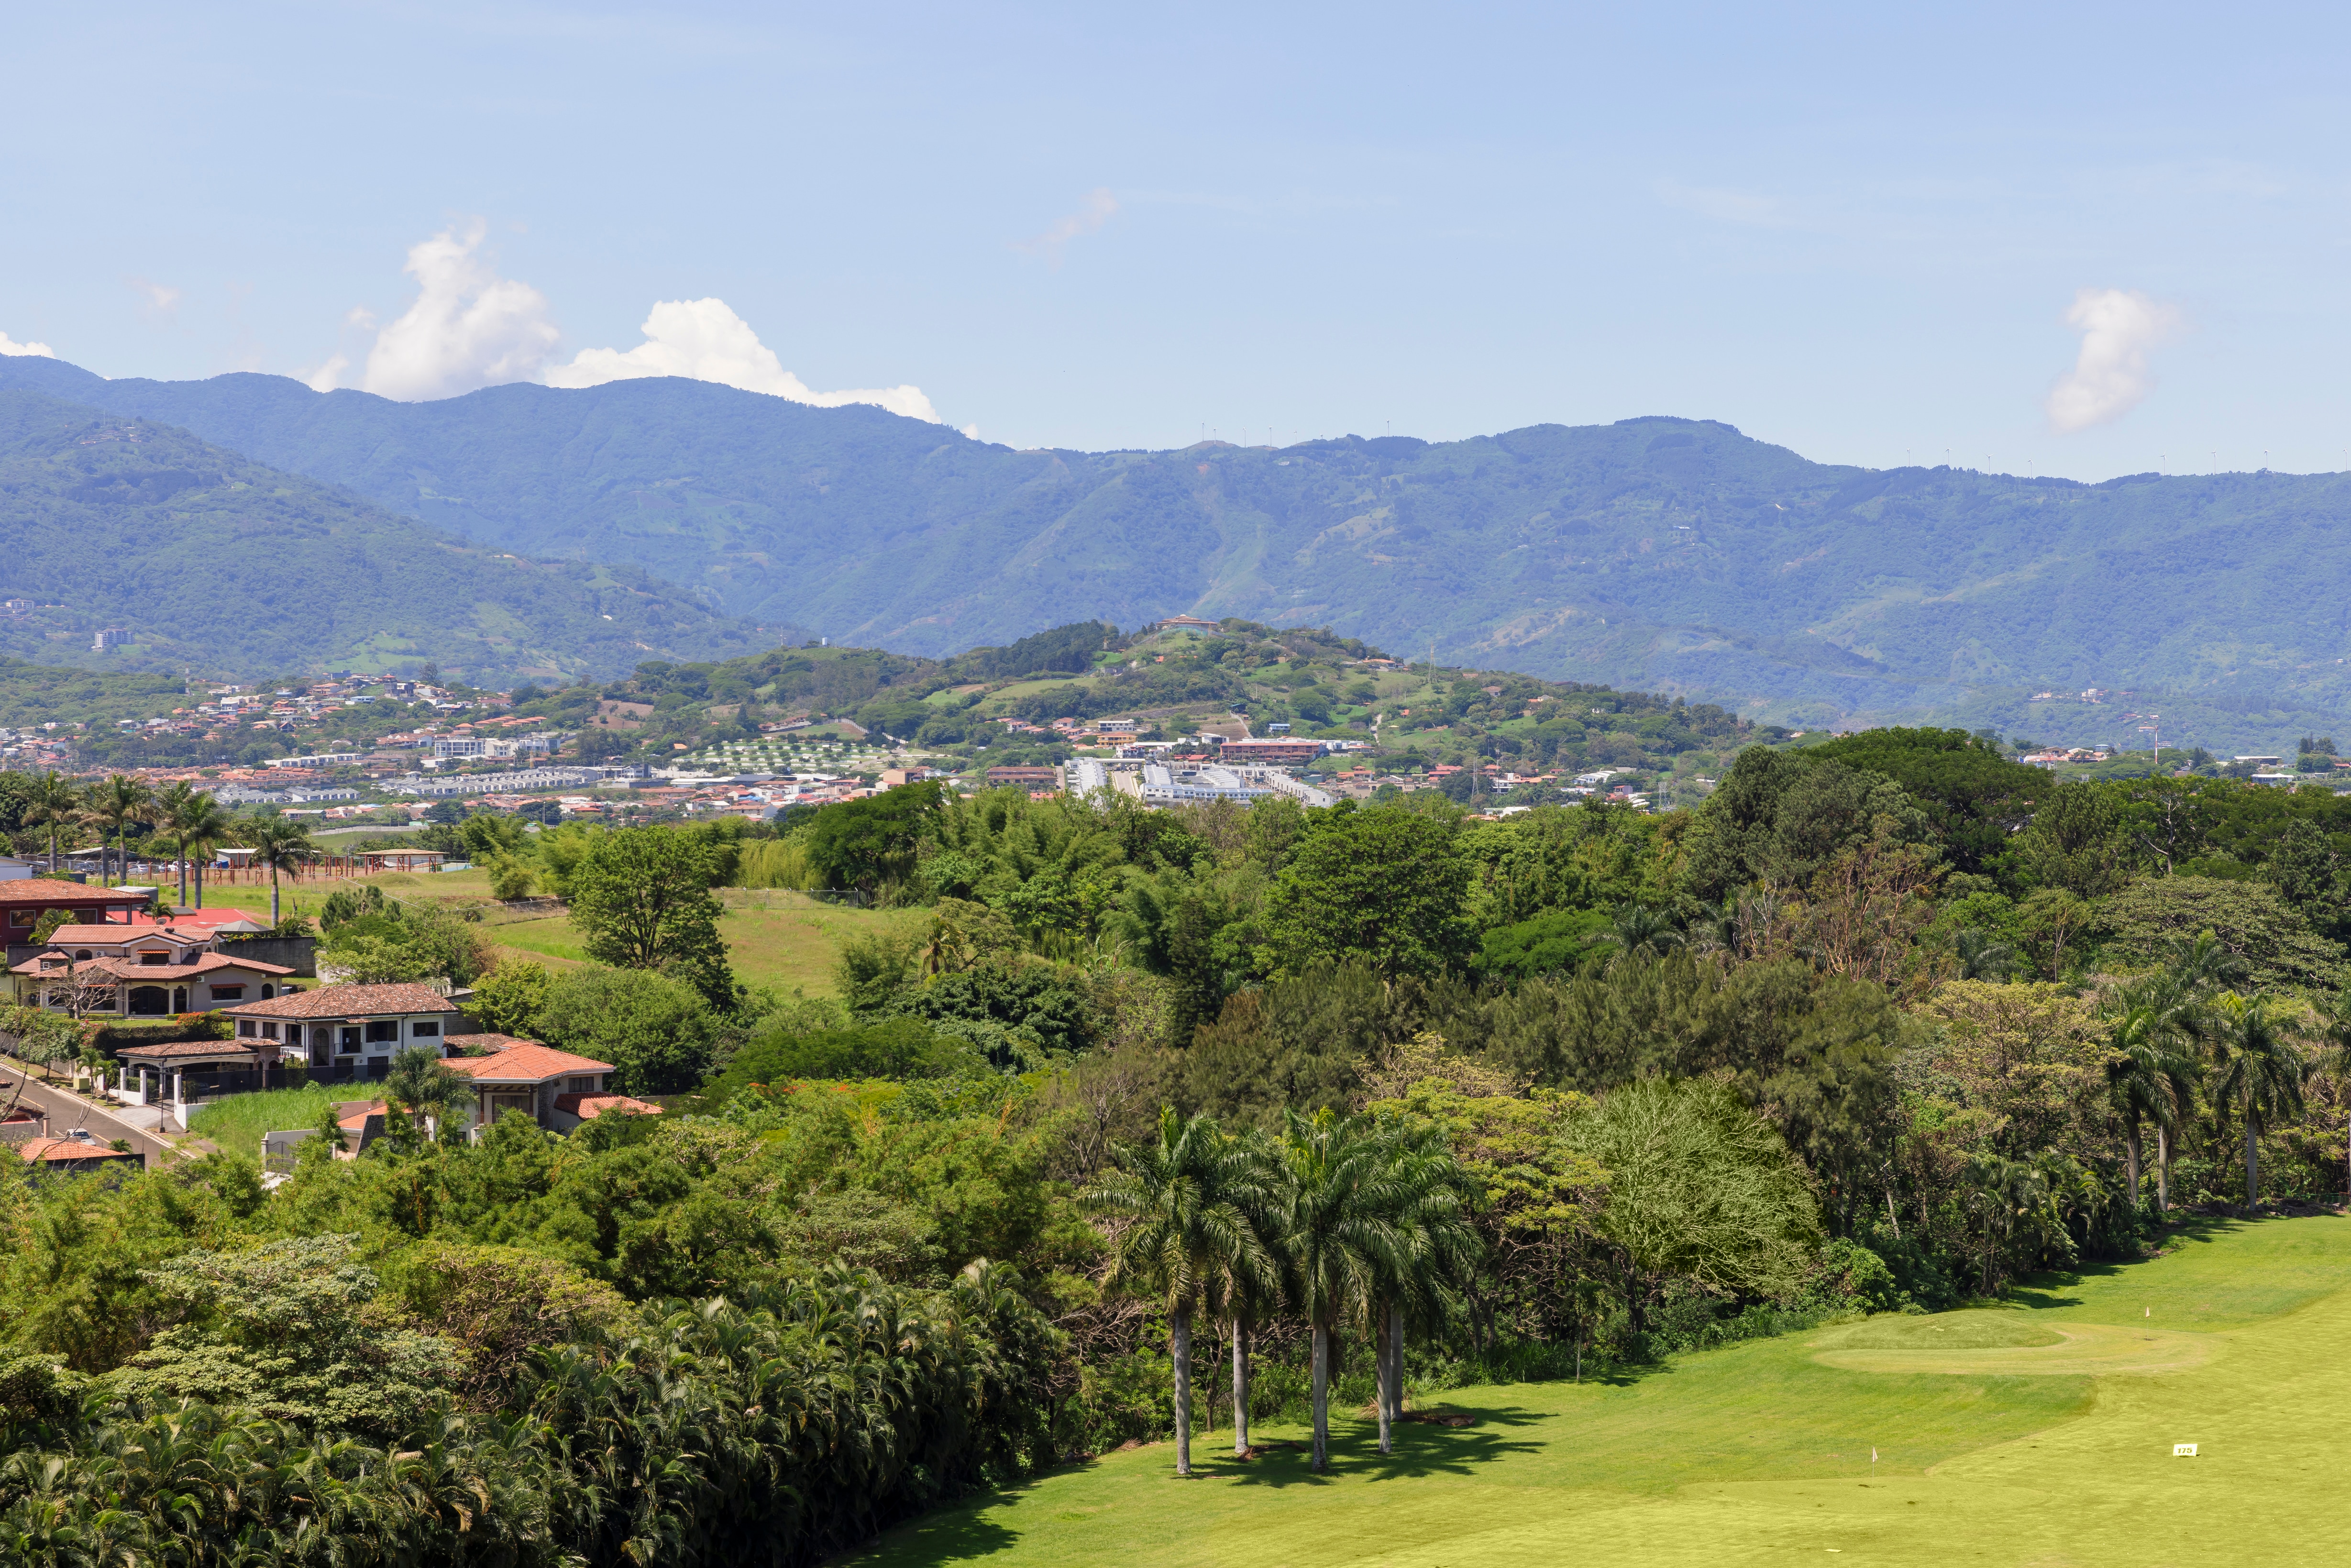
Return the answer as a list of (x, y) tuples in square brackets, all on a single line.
[(1851, 231)]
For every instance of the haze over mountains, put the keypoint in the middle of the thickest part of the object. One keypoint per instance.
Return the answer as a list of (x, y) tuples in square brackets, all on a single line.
[(204, 558), (1660, 553)]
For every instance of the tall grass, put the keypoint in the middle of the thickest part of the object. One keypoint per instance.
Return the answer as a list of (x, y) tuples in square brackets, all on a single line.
[(237, 1123), (773, 862)]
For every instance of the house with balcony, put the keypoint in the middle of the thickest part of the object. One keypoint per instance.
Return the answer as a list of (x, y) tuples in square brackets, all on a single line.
[(25, 899), (179, 1075), (139, 971), (554, 1088), (346, 1033)]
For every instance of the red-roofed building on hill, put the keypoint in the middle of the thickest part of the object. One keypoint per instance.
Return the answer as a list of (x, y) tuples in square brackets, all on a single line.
[(76, 1153), (537, 1081), (25, 899), (344, 1033), (139, 971)]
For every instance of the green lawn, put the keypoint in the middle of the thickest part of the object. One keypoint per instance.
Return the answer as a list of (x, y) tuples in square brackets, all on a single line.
[(237, 1123), (773, 937), (2038, 1435)]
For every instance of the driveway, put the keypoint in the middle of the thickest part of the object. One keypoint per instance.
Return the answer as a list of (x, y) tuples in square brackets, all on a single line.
[(66, 1110)]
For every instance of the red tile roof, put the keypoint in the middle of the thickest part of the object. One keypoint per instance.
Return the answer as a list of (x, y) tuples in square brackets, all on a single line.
[(41, 890), (57, 1151), (128, 969), (587, 1107), (348, 1001), (218, 914), (186, 1050), (524, 1064), (485, 1044), (117, 933)]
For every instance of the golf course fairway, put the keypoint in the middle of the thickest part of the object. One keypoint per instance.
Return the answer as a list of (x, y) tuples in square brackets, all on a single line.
[(2039, 1433)]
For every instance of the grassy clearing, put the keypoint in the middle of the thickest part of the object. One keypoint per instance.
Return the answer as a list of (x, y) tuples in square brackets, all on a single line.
[(237, 1123), (1765, 1453), (773, 937)]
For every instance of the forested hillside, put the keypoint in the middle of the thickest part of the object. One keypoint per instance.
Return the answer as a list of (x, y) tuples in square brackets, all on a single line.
[(207, 559), (1658, 553), (1342, 1110)]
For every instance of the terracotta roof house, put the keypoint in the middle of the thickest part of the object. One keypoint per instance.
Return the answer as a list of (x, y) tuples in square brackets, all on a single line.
[(536, 1079), (587, 1107), (74, 1155), (23, 900), (139, 971), (190, 1071), (344, 1033)]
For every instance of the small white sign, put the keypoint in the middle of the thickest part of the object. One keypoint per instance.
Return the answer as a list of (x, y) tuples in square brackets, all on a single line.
[(2183, 1450)]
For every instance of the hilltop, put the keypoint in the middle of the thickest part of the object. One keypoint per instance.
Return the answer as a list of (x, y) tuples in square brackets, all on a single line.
[(1666, 554), (203, 558)]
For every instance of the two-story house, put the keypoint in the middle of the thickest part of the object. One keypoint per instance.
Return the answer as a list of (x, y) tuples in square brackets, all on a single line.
[(139, 971), (23, 900), (347, 1033), (554, 1088)]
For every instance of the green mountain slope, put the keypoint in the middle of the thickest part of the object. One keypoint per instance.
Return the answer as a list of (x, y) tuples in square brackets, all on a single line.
[(208, 558), (1660, 553)]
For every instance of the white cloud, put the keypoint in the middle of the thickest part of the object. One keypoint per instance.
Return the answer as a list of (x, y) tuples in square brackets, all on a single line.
[(2110, 378), (160, 298), (469, 328), (1096, 210), (707, 342), (10, 346)]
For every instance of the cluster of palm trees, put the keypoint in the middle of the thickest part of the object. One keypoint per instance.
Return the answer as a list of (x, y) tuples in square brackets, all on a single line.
[(188, 820), (1348, 1222), (2183, 1033)]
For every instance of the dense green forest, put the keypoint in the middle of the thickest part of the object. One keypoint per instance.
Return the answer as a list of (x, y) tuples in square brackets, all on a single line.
[(1404, 718), (209, 560), (1666, 554), (1353, 1102)]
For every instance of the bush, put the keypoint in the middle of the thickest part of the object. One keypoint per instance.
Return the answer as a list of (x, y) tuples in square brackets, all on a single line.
[(657, 1032), (893, 1048)]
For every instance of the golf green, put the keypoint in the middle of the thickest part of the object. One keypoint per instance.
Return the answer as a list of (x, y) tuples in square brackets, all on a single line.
[(2039, 1434)]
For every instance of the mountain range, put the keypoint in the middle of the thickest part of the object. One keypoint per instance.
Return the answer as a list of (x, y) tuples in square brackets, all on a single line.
[(194, 556), (1669, 554)]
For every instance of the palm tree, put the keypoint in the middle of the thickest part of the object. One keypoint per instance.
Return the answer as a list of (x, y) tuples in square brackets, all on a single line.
[(1433, 1251), (1982, 957), (1185, 1207), (2261, 1070), (201, 825), (1639, 929), (113, 805), (1336, 1241), (2157, 1026), (1244, 1297), (2195, 969), (281, 845), (52, 802), (170, 806)]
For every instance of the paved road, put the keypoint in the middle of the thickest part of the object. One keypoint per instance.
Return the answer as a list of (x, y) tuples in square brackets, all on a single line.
[(66, 1110)]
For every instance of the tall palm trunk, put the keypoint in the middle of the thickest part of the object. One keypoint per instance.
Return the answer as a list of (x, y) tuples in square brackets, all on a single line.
[(2162, 1168), (184, 873), (2252, 1161), (1241, 1387), (1322, 1397), (1381, 1369), (1395, 1356), (2130, 1157), (1180, 1335), (273, 920)]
